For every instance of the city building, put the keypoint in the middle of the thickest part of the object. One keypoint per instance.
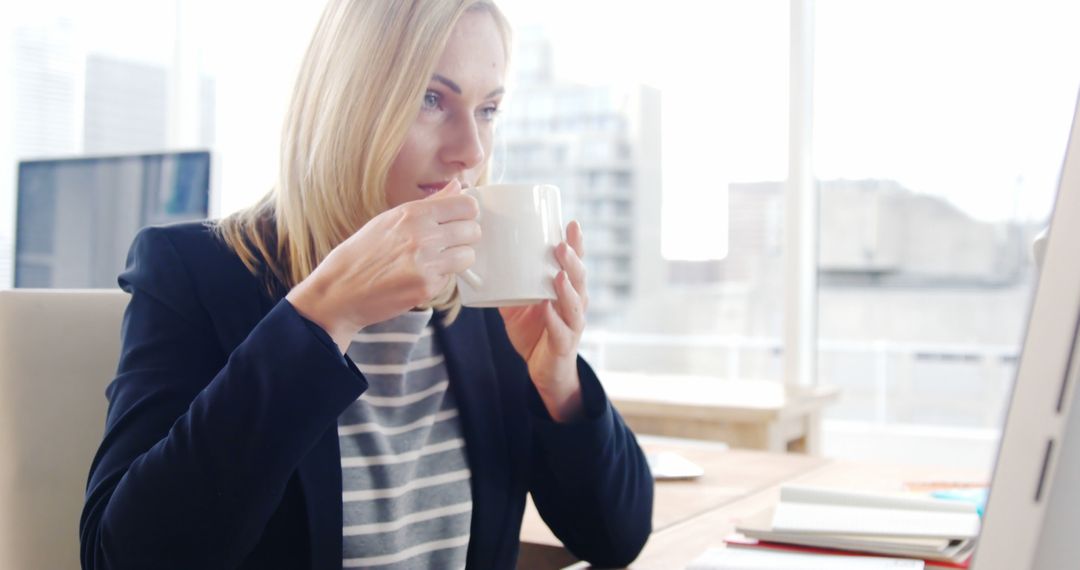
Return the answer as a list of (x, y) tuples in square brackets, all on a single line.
[(127, 107), (916, 300), (601, 145), (872, 232), (65, 100), (43, 96)]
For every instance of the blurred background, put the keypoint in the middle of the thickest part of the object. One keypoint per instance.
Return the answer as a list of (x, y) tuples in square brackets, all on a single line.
[(938, 130)]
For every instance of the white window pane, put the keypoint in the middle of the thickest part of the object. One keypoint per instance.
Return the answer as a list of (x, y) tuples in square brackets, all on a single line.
[(80, 78), (940, 130), (673, 128)]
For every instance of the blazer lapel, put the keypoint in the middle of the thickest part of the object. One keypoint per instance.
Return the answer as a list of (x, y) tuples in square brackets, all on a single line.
[(476, 390)]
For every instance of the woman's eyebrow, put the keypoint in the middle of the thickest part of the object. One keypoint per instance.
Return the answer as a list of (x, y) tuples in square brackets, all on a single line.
[(453, 86), (450, 84)]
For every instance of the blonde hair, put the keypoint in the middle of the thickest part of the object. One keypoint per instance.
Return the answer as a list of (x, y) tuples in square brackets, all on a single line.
[(357, 93)]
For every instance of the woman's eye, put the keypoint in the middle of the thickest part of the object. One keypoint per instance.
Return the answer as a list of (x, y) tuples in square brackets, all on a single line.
[(431, 100), (489, 113)]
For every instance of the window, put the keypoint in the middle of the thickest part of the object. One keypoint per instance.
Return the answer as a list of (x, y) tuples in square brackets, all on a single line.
[(937, 141), (679, 143), (937, 163), (938, 133), (81, 81), (85, 81)]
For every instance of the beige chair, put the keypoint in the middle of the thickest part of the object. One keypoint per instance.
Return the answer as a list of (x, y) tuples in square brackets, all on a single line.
[(58, 352)]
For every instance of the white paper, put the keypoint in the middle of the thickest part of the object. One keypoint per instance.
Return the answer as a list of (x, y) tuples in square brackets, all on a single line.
[(670, 465), (747, 559), (826, 519), (825, 496)]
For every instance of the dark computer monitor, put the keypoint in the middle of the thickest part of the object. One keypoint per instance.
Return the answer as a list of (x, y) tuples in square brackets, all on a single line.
[(76, 217)]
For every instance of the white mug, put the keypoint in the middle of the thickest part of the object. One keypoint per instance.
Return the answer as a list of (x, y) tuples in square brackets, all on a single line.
[(521, 224)]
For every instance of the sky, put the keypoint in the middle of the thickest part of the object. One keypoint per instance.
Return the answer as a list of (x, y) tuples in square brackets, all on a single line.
[(969, 101)]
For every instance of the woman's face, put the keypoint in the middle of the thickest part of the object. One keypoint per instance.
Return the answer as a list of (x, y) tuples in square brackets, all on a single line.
[(451, 137)]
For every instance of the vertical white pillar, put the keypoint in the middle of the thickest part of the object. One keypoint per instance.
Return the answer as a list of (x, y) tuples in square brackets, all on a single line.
[(800, 207)]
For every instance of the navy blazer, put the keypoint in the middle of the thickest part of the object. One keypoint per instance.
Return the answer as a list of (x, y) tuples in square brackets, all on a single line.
[(221, 447)]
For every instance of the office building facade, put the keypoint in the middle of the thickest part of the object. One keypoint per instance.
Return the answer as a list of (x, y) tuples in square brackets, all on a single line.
[(601, 146)]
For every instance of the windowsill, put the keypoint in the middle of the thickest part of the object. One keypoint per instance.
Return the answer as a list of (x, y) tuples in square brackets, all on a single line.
[(707, 397), (746, 414)]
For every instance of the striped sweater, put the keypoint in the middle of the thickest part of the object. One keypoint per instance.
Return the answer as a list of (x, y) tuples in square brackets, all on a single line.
[(406, 497)]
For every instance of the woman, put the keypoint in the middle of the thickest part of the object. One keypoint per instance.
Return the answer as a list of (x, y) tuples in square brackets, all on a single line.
[(240, 432)]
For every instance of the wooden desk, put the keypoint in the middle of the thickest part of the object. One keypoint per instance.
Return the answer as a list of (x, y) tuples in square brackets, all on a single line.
[(746, 414), (691, 516), (729, 476), (678, 545)]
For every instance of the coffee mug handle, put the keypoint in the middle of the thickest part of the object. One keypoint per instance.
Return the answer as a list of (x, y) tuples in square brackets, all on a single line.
[(471, 191), (470, 276)]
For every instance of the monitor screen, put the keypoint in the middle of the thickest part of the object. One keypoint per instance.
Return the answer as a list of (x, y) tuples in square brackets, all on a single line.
[(77, 217)]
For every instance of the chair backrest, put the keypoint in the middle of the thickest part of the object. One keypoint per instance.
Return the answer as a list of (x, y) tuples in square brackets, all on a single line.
[(58, 352)]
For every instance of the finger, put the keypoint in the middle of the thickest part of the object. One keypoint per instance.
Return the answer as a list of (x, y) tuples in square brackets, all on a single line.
[(512, 315), (560, 336), (573, 265), (568, 304), (453, 207), (576, 238), (455, 260), (452, 188), (520, 311), (461, 232)]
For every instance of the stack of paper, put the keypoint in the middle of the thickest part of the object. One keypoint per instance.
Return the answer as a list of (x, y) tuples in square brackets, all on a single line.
[(733, 559), (940, 532)]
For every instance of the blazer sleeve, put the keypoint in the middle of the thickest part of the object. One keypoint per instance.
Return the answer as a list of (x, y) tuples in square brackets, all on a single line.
[(589, 478), (199, 445)]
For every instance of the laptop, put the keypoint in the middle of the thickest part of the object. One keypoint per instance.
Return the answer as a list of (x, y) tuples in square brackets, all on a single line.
[(1033, 512)]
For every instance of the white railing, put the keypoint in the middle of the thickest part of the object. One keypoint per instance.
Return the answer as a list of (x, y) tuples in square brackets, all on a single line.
[(893, 365)]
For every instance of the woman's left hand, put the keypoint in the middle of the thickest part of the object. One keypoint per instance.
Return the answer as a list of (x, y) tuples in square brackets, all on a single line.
[(546, 335)]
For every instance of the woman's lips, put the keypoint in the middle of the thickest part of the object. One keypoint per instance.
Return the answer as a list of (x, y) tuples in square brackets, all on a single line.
[(434, 187)]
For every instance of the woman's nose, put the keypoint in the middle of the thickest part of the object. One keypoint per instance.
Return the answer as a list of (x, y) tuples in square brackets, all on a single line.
[(464, 147)]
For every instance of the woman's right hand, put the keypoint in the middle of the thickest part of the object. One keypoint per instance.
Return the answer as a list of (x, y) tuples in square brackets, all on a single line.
[(399, 260)]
